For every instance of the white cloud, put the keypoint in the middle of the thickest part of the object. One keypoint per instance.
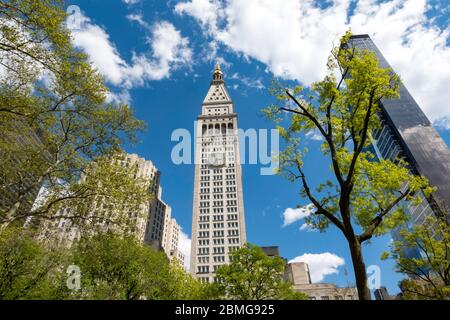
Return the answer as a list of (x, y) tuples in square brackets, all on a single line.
[(292, 215), (185, 248), (314, 135), (168, 51), (93, 40), (294, 37), (321, 264), (122, 97), (139, 19), (247, 81), (206, 12), (131, 2)]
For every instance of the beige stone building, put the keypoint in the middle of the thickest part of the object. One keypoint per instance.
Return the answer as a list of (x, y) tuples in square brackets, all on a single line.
[(298, 274), (153, 224), (63, 232), (163, 231), (218, 224)]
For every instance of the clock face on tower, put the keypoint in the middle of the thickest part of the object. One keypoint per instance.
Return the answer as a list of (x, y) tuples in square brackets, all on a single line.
[(216, 159)]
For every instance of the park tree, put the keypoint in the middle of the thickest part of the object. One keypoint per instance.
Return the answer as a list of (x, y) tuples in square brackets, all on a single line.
[(55, 116), (108, 266), (114, 267), (360, 199), (252, 275), (428, 270), (29, 270)]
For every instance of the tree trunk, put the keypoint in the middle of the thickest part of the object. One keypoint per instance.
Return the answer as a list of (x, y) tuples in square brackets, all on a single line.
[(359, 268)]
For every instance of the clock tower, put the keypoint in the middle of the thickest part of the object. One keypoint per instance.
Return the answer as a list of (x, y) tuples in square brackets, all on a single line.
[(218, 224)]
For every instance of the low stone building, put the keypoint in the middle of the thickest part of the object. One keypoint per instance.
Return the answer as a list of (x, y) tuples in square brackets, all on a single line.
[(298, 274)]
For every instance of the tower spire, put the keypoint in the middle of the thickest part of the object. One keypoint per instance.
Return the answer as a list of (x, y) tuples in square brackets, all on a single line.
[(218, 75)]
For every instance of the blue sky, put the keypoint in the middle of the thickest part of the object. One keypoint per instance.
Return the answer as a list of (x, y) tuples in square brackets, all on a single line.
[(158, 56)]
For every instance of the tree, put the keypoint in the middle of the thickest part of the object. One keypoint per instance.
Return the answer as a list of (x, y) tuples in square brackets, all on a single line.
[(121, 268), (55, 118), (112, 267), (429, 269), (29, 270), (252, 275), (363, 194)]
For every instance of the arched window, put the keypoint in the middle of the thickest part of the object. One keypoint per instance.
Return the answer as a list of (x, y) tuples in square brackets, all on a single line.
[(217, 129)]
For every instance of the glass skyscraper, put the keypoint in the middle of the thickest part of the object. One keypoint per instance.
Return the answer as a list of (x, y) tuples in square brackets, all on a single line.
[(408, 134)]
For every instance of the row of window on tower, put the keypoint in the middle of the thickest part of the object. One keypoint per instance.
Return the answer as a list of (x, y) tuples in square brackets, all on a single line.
[(218, 225), (217, 241), (217, 217), (217, 129), (218, 233)]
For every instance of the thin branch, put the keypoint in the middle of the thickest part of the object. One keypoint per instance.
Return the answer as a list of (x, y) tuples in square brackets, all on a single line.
[(368, 233)]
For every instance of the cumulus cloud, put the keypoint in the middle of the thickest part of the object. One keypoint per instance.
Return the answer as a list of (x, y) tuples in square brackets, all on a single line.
[(168, 51), (185, 248), (321, 264), (95, 41), (292, 215), (206, 12), (294, 38)]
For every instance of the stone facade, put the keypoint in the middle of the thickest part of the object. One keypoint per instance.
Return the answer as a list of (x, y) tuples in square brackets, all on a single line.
[(154, 224), (218, 225), (63, 232), (298, 274), (163, 231)]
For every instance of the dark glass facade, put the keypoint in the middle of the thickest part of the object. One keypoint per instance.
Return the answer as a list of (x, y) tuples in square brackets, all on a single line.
[(409, 134)]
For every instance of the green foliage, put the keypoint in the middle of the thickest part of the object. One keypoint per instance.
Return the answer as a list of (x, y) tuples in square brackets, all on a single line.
[(120, 268), (116, 268), (55, 118), (27, 269), (364, 193), (112, 268), (252, 275), (430, 271)]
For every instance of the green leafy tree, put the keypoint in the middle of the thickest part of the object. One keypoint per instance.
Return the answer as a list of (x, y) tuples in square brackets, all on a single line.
[(361, 199), (55, 118), (120, 268), (112, 268), (252, 275), (29, 270), (429, 270), (186, 287)]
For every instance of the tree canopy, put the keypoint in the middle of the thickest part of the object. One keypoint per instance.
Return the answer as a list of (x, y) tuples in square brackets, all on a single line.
[(361, 199), (55, 115), (111, 267), (428, 270), (252, 275)]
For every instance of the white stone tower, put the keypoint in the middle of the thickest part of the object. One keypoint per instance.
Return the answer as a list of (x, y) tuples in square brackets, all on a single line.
[(218, 224)]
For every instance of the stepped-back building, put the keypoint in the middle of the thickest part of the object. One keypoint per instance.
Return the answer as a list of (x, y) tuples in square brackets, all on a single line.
[(218, 225)]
